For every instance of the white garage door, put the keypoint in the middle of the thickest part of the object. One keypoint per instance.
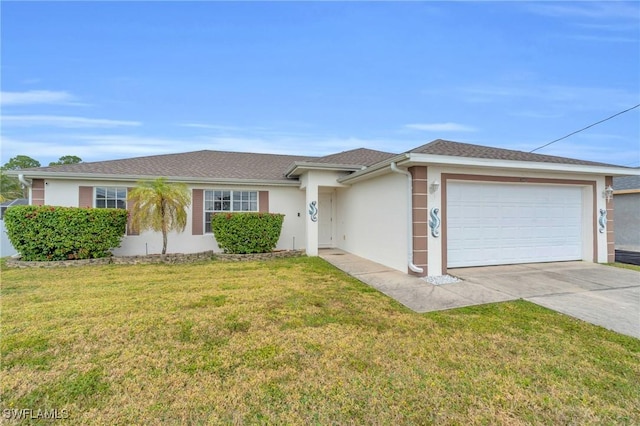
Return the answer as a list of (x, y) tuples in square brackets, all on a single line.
[(498, 224)]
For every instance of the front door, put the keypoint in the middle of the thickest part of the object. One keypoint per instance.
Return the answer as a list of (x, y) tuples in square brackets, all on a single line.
[(325, 220)]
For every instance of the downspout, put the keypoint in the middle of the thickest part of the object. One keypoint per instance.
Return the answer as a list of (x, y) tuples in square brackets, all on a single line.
[(411, 265), (23, 181), (25, 184)]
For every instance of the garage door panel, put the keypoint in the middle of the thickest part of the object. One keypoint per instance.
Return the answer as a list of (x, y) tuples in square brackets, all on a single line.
[(494, 223)]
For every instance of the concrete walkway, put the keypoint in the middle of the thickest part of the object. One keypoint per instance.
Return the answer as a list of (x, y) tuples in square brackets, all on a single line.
[(414, 293), (599, 294)]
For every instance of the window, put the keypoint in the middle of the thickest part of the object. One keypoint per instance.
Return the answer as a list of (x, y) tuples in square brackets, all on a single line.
[(228, 201), (110, 197), (245, 201)]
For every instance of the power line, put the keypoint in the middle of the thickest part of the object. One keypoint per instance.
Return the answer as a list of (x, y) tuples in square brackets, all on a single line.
[(585, 128), (634, 164)]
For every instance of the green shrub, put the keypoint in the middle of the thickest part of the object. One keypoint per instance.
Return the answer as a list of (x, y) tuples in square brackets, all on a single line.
[(247, 232), (61, 233)]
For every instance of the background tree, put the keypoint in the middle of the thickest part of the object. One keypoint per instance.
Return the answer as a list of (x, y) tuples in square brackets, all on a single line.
[(66, 159), (20, 162), (10, 187), (160, 206)]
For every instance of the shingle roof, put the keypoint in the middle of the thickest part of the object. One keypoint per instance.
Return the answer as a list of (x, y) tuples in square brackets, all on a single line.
[(197, 164), (240, 166), (457, 149), (626, 182), (216, 164), (360, 156)]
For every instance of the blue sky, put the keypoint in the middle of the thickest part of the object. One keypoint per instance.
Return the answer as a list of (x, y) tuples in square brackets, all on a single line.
[(121, 79)]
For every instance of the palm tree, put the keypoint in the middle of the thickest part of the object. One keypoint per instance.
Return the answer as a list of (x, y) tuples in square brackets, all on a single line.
[(160, 206)]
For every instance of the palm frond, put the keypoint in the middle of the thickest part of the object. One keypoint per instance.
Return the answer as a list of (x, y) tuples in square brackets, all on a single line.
[(160, 206)]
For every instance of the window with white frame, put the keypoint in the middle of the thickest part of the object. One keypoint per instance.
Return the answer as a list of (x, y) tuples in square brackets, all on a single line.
[(111, 197), (228, 201)]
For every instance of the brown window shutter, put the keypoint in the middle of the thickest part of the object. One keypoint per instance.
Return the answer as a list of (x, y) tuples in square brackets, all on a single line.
[(197, 211), (37, 192), (263, 201), (85, 198), (130, 228)]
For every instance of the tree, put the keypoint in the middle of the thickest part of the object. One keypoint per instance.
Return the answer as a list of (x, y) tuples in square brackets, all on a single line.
[(160, 206), (20, 162), (66, 159), (10, 187)]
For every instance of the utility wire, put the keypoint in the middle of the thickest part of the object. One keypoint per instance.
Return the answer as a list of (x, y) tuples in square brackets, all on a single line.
[(585, 128), (634, 164)]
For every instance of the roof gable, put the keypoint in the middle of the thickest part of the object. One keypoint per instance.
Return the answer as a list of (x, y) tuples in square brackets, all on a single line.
[(361, 157)]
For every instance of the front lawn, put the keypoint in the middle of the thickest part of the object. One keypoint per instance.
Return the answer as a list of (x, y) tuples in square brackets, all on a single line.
[(294, 341)]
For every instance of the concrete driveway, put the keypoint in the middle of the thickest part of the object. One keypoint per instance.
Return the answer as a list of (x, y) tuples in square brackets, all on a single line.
[(602, 295)]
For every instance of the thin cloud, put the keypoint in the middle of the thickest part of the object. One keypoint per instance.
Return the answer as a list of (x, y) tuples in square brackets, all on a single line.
[(441, 127), (604, 38), (607, 22), (594, 10), (63, 121), (33, 97), (576, 97), (535, 114), (208, 126)]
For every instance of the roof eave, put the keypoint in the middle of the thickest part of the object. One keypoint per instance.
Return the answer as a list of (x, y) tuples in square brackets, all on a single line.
[(414, 159), (298, 167), (134, 178), (421, 159)]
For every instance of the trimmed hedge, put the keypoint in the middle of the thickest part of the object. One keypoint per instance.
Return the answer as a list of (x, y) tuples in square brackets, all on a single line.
[(242, 233), (42, 233)]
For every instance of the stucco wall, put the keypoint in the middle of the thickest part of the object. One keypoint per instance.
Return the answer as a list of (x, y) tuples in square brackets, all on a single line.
[(286, 200), (627, 229), (371, 220)]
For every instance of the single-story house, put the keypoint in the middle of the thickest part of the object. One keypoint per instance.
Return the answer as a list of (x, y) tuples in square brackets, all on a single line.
[(438, 206), (626, 198)]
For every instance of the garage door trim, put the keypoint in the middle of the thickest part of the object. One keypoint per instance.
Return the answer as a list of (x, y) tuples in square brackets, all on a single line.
[(511, 179)]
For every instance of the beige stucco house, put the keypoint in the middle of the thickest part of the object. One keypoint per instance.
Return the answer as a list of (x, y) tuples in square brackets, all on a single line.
[(441, 205)]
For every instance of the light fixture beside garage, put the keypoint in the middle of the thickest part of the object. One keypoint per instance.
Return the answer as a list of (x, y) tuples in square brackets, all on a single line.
[(434, 186), (608, 193)]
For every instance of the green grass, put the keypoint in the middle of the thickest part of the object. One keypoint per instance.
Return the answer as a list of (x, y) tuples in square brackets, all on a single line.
[(625, 266), (294, 341)]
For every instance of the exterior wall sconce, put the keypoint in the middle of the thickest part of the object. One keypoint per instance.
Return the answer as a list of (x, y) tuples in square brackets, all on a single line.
[(608, 193), (435, 185)]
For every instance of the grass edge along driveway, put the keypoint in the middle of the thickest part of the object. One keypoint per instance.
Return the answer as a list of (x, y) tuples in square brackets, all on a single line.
[(293, 341)]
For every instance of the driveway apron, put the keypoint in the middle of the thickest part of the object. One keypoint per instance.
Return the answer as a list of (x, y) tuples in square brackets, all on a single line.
[(602, 295)]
